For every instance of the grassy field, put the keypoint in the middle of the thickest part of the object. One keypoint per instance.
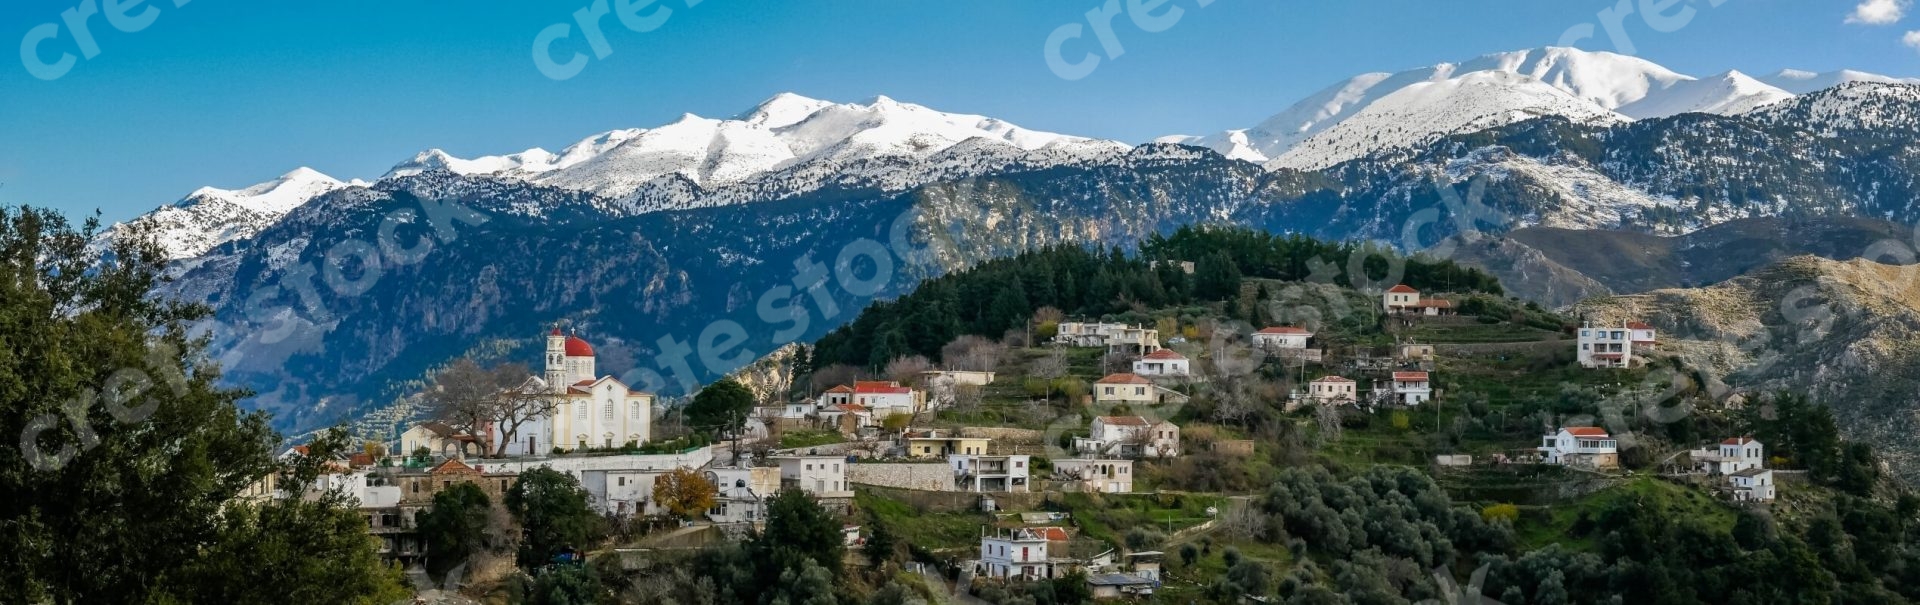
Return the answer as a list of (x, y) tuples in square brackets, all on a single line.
[(1557, 524), (809, 438)]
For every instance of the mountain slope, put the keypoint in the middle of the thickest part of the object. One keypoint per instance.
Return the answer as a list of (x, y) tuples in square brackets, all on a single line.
[(209, 217), (1802, 82), (1845, 332)]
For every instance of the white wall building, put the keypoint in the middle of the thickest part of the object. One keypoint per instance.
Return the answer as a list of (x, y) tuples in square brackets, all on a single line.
[(1732, 456), (1585, 447), (1753, 484), (1133, 389), (1412, 388), (1107, 476), (742, 493), (818, 476), (593, 411), (1130, 436), (1614, 347), (1400, 298), (1021, 553), (1162, 363), (1333, 389), (1282, 337), (983, 473), (1116, 337)]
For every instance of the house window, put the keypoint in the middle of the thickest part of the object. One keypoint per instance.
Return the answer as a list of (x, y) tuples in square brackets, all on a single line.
[(1109, 390), (1139, 390), (623, 482)]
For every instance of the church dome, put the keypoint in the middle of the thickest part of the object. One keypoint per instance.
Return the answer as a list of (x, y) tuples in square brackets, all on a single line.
[(578, 348)]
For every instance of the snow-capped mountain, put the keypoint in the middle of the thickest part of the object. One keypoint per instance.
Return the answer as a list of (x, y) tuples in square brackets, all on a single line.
[(1802, 82), (211, 216), (787, 133), (1493, 90)]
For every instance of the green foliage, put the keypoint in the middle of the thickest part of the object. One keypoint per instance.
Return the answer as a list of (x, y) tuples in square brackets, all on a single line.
[(455, 528), (131, 488), (798, 530), (552, 510), (721, 407), (564, 585)]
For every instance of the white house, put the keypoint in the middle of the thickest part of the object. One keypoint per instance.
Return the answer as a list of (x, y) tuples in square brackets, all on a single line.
[(835, 415), (1283, 337), (1412, 388), (1333, 389), (1107, 476), (1732, 456), (440, 439), (959, 377), (818, 476), (1132, 388), (592, 411), (742, 493), (984, 473), (882, 397), (1115, 337), (1162, 363), (1585, 447), (1019, 553), (1753, 484), (1607, 347), (1130, 436), (1400, 298)]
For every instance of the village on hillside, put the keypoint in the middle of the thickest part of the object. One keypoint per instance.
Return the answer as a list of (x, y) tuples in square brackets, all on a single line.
[(1117, 453)]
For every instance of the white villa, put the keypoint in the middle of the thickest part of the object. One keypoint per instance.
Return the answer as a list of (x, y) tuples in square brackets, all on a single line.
[(1020, 553), (1584, 447), (742, 493), (593, 411), (1162, 363), (1115, 337), (1752, 485), (882, 398), (1412, 388), (1107, 476), (1604, 347), (1400, 298), (1333, 389), (984, 473), (1276, 338), (818, 476), (1130, 436), (1743, 461)]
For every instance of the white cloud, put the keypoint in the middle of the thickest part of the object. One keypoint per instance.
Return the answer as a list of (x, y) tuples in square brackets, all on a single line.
[(1879, 12), (1912, 39)]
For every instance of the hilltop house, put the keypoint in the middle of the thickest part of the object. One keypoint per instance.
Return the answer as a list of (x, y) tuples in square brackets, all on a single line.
[(1274, 339), (1333, 389), (742, 493), (846, 417), (1403, 299), (1412, 388), (983, 473), (818, 476), (1752, 485), (1020, 553), (882, 398), (1602, 347), (1131, 388), (1162, 363), (959, 377), (590, 412), (1115, 337), (441, 440), (1732, 456), (1583, 447), (936, 444), (1130, 436), (1107, 476)]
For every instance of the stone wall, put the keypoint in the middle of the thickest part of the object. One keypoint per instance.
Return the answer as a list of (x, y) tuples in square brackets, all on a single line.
[(917, 476)]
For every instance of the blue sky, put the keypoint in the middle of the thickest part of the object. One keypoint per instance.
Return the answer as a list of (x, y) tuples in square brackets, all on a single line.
[(229, 93)]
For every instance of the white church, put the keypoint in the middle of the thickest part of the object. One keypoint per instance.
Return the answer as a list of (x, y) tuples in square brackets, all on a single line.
[(596, 411)]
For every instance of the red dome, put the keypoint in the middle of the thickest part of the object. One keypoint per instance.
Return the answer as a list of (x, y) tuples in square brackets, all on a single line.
[(578, 348)]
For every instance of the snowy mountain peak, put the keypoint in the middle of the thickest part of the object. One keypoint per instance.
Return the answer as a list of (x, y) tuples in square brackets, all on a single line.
[(211, 216), (782, 110), (1801, 82)]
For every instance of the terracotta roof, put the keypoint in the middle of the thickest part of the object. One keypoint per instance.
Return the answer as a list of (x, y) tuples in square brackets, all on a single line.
[(1285, 330), (578, 348), (1052, 534), (1409, 376), (1123, 378), (1124, 421), (359, 460), (879, 387), (1403, 289), (1164, 354), (1634, 325), (1586, 431), (1333, 379), (300, 449), (841, 389), (452, 466), (1437, 303), (1738, 441)]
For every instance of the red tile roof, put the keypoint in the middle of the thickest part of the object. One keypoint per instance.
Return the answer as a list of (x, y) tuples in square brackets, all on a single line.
[(360, 460), (1409, 376), (1052, 534), (1333, 379), (1164, 354), (1403, 289), (1123, 378), (1634, 325), (1124, 421), (1285, 330), (875, 387), (1738, 441), (841, 389), (1586, 431), (452, 466)]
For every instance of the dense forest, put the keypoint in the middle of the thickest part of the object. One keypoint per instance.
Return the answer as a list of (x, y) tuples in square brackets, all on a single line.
[(1001, 295)]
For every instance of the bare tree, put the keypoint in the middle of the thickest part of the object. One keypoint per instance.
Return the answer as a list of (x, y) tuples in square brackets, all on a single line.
[(463, 396), (968, 396), (517, 404), (831, 376), (972, 353), (1050, 367), (907, 369)]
